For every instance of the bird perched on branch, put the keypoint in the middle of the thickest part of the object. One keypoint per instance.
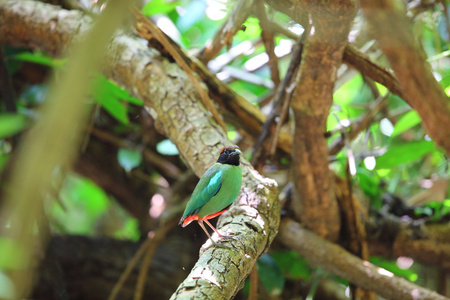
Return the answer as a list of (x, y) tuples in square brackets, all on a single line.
[(216, 190)]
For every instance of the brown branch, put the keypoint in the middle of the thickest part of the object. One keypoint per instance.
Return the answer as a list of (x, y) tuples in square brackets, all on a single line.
[(336, 260), (392, 29), (158, 236), (225, 34), (353, 231), (165, 167), (243, 114), (372, 70), (391, 237), (267, 37), (264, 146), (148, 31), (314, 203), (359, 61), (129, 268)]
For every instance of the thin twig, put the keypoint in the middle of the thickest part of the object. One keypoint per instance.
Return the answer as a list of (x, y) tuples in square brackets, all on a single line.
[(359, 61), (359, 126), (267, 37), (158, 236), (133, 262), (253, 293), (225, 34), (267, 140)]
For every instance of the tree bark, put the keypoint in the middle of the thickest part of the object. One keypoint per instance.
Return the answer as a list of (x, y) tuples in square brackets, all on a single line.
[(315, 204)]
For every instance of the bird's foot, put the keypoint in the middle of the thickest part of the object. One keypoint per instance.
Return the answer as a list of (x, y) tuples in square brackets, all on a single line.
[(231, 237)]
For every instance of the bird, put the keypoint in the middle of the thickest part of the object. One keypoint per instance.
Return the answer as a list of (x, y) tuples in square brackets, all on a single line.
[(216, 190)]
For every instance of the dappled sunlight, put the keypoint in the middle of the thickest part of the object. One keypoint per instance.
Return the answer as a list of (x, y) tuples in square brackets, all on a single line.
[(256, 217), (205, 274), (380, 271)]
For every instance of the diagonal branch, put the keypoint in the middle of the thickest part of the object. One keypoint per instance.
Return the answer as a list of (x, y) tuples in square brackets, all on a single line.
[(224, 35), (392, 29), (170, 97), (335, 259)]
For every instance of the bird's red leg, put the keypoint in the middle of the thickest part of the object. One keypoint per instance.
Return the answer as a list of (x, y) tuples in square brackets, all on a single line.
[(200, 222), (207, 222), (224, 236)]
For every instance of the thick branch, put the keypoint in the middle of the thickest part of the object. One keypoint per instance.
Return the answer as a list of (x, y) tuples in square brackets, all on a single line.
[(335, 259), (392, 29), (311, 102), (173, 101)]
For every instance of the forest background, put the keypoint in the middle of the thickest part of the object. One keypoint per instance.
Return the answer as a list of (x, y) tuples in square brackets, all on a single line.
[(111, 112)]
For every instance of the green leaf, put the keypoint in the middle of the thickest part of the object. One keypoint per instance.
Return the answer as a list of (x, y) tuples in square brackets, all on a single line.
[(445, 82), (83, 205), (392, 266), (404, 153), (408, 121), (270, 275), (115, 108), (370, 184), (39, 58), (291, 264), (109, 87), (129, 159), (130, 230), (12, 254), (154, 7), (109, 96), (166, 147), (11, 124)]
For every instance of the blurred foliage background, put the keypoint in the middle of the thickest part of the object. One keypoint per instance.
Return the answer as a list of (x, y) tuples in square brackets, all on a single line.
[(128, 178)]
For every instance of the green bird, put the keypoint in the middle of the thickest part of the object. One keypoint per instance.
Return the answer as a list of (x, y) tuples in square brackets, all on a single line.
[(216, 190)]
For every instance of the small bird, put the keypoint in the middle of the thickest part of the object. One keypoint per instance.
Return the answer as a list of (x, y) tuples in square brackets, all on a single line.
[(216, 190)]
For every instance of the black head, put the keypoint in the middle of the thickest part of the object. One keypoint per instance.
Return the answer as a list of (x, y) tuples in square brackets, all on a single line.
[(229, 155)]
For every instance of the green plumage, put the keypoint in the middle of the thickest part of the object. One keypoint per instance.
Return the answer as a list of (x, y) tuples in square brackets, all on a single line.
[(216, 190)]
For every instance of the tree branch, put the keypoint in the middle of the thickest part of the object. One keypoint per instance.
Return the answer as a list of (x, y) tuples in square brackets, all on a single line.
[(314, 203), (170, 97), (392, 29), (225, 34), (335, 259)]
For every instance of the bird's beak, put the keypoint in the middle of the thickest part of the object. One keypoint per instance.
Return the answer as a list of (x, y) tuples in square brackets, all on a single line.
[(236, 152)]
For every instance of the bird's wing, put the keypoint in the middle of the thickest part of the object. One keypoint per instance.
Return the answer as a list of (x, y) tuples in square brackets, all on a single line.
[(208, 186)]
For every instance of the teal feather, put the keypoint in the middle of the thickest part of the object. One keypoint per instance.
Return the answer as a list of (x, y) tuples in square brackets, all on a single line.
[(216, 190)]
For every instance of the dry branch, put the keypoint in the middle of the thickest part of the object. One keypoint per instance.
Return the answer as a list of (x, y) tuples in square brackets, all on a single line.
[(170, 97), (336, 260), (225, 34), (267, 139)]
